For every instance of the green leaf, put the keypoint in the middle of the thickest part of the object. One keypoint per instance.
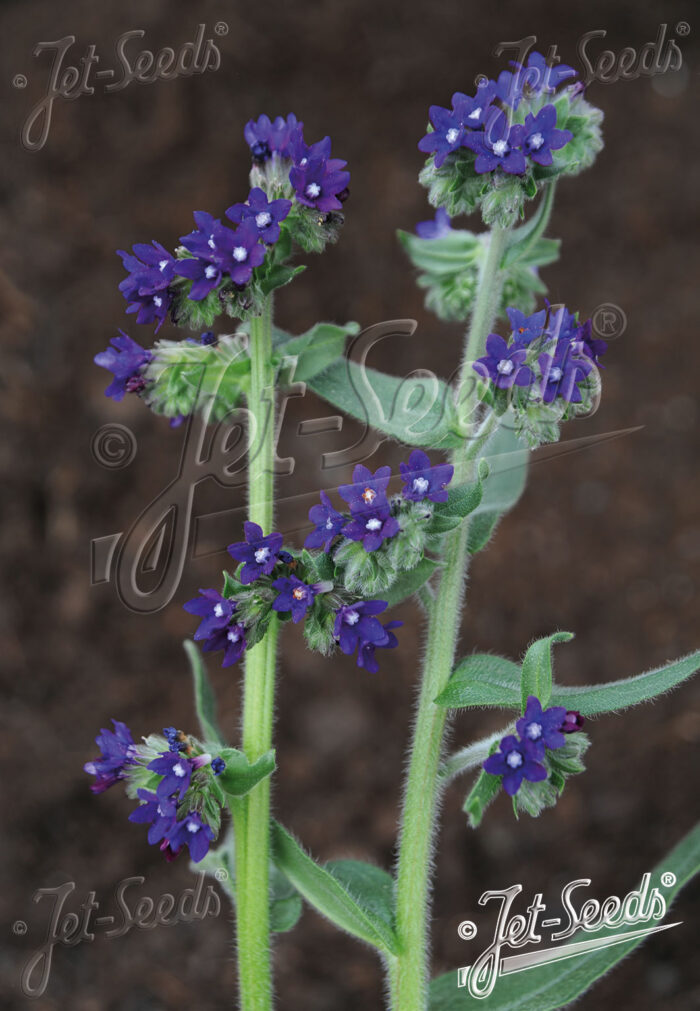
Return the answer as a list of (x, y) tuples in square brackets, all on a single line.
[(418, 411), (615, 695), (279, 275), (548, 987), (204, 700), (316, 349), (466, 498), (370, 886), (240, 776), (480, 796), (409, 583), (285, 902), (329, 894), (524, 238), (482, 680), (536, 675), (507, 457)]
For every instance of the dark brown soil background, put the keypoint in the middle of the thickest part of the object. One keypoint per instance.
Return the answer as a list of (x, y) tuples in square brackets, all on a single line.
[(606, 542)]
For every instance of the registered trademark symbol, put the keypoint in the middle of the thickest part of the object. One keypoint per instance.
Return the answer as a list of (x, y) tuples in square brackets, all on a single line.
[(19, 81), (221, 874), (221, 28), (682, 28), (466, 930), (609, 321), (19, 927), (668, 878)]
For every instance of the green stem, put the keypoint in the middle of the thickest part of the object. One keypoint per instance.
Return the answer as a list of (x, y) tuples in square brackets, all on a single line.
[(409, 971), (251, 814)]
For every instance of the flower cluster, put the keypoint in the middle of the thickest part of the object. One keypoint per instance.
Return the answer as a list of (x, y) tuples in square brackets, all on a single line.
[(548, 357), (175, 785), (296, 191), (513, 127), (539, 730)]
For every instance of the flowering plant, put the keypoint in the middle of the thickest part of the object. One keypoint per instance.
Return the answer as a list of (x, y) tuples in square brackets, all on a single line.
[(370, 547)]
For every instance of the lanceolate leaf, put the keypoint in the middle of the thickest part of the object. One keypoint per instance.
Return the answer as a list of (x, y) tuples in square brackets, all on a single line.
[(536, 676), (328, 892), (547, 987), (204, 700), (372, 887), (616, 695), (418, 411), (507, 458), (482, 680), (317, 348), (285, 902), (240, 776), (410, 582), (480, 796)]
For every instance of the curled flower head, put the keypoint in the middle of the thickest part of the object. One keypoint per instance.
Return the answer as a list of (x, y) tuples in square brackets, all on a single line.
[(125, 359), (118, 751)]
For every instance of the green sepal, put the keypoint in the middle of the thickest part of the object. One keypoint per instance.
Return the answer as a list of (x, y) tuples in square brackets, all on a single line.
[(318, 629), (560, 763), (536, 674), (232, 586), (240, 776), (409, 583)]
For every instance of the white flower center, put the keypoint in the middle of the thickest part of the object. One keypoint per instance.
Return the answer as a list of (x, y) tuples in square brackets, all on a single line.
[(329, 524), (536, 141), (352, 617), (369, 495), (210, 241), (500, 147), (233, 635), (210, 272), (373, 524), (179, 770), (298, 593), (313, 190), (157, 300), (262, 555), (555, 375), (192, 827), (163, 264), (475, 113), (505, 367), (240, 253), (514, 759), (263, 219), (533, 731), (219, 610), (420, 484), (452, 135)]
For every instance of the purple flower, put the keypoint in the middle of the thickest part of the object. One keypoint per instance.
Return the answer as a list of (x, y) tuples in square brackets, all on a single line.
[(422, 480), (583, 343), (204, 274), (573, 721), (541, 726), (117, 751), (259, 553), (329, 523), (561, 323), (365, 654), (356, 624), (318, 181), (372, 526), (265, 137), (231, 640), (368, 491), (242, 250), (218, 765), (526, 328), (191, 832), (436, 229), (176, 771), (146, 287), (125, 358), (504, 364), (159, 812), (539, 76), (266, 214), (542, 137), (472, 112), (498, 146), (446, 137), (293, 595), (216, 612), (515, 760), (561, 372)]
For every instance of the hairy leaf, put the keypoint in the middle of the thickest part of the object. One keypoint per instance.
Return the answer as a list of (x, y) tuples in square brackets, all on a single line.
[(240, 776), (204, 700), (536, 675)]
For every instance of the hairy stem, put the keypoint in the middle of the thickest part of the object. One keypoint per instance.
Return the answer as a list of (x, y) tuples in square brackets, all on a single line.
[(251, 814), (409, 971)]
